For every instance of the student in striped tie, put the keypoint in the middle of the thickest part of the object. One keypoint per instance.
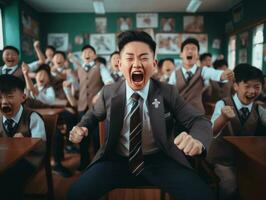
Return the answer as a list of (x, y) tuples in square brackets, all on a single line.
[(142, 145)]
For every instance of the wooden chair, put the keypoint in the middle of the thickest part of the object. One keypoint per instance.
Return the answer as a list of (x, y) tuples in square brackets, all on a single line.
[(102, 135), (50, 127)]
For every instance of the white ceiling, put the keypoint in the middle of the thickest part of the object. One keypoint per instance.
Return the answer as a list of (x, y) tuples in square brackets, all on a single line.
[(129, 5)]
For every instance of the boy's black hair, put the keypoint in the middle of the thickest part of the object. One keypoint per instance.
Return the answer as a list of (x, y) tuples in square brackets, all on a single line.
[(205, 55), (245, 72), (9, 83), (60, 52), (44, 67), (11, 48), (115, 52), (131, 36), (219, 63), (160, 63), (190, 41), (101, 60), (50, 47), (87, 46)]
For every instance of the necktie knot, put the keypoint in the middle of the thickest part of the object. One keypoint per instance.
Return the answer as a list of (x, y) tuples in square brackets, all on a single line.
[(9, 124), (244, 113), (135, 96), (8, 70), (189, 75)]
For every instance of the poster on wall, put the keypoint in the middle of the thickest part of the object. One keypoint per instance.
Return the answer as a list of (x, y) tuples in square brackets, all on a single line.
[(147, 20), (244, 39), (58, 40), (193, 24), (79, 40), (168, 43), (124, 23), (30, 26), (167, 24), (242, 58), (101, 24), (103, 43), (216, 43), (202, 38), (27, 45)]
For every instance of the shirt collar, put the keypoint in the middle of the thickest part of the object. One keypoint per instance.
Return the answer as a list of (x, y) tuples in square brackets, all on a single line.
[(16, 118), (239, 105), (143, 93), (192, 69), (13, 68)]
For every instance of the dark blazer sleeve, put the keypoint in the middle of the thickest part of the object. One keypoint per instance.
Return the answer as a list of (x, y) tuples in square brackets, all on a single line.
[(95, 114), (197, 125)]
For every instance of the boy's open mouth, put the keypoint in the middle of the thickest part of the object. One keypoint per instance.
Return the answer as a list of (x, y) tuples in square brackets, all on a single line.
[(137, 76), (6, 109), (189, 57)]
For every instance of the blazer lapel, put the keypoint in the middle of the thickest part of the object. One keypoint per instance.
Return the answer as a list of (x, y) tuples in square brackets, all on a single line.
[(116, 116), (155, 107)]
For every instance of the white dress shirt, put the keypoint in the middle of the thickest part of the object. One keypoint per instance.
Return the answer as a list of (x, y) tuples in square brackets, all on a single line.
[(46, 95), (123, 146), (207, 73), (37, 127), (13, 69)]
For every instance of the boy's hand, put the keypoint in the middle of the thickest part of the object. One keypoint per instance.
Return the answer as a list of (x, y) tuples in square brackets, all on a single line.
[(228, 112), (18, 135), (36, 44), (188, 144), (77, 134), (25, 68), (228, 74), (67, 84)]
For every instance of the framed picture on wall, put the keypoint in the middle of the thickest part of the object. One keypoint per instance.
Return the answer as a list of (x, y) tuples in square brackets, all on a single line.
[(193, 24), (103, 43), (168, 43), (30, 26), (167, 24), (124, 23), (147, 20), (202, 38), (101, 24), (58, 40), (244, 39), (243, 56)]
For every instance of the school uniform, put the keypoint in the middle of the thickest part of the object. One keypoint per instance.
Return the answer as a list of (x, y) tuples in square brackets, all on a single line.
[(250, 120), (14, 70), (164, 164), (30, 124), (191, 83), (46, 95)]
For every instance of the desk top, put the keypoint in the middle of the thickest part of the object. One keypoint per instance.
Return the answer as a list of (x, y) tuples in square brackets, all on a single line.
[(252, 146), (49, 111), (13, 149)]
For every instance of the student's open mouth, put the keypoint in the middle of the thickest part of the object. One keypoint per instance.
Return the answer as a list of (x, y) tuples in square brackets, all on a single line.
[(189, 57), (6, 109), (250, 97), (137, 76), (87, 58)]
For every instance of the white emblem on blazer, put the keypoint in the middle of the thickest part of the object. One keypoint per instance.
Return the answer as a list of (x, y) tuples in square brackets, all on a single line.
[(156, 103)]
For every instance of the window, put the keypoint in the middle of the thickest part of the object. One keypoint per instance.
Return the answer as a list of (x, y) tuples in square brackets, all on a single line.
[(257, 47), (232, 52), (1, 31)]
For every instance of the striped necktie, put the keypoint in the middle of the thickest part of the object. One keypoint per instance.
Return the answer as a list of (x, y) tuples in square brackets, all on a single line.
[(136, 161), (9, 127)]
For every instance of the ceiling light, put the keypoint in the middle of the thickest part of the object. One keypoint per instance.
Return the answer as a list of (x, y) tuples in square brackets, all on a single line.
[(193, 5), (98, 7)]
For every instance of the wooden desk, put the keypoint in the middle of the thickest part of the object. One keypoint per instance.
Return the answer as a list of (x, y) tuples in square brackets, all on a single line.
[(13, 149), (49, 111), (251, 163)]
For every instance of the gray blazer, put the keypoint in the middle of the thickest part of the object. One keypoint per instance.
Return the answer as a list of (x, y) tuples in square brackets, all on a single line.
[(172, 116)]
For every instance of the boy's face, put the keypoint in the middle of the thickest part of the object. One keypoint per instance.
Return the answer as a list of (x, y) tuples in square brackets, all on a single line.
[(137, 64), (115, 62), (49, 53), (248, 91), (207, 61), (88, 55), (10, 102), (58, 60), (190, 55), (42, 78), (10, 57), (167, 68)]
